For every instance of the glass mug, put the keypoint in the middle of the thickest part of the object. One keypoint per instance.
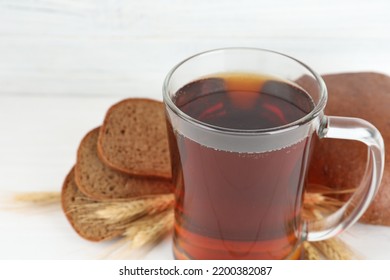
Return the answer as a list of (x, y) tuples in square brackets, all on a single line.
[(240, 124)]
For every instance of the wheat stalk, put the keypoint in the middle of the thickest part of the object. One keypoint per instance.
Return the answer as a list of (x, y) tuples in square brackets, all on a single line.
[(150, 228), (311, 252), (38, 197), (118, 215), (120, 211), (319, 204), (334, 249), (145, 220)]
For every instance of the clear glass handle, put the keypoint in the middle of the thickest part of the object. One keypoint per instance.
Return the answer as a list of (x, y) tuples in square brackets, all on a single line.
[(353, 209)]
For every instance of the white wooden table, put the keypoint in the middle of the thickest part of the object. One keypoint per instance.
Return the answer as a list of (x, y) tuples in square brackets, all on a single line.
[(64, 62)]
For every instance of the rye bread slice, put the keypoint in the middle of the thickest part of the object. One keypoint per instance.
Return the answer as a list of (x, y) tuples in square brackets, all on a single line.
[(133, 138), (340, 164), (101, 182), (72, 196)]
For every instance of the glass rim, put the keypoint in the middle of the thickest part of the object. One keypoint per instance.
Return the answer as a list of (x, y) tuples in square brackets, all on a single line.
[(219, 129)]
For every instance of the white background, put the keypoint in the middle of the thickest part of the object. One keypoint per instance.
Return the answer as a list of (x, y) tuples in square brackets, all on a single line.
[(64, 62)]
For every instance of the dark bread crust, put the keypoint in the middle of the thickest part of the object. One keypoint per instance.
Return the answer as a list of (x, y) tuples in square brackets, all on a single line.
[(133, 138), (100, 182), (340, 164), (69, 196)]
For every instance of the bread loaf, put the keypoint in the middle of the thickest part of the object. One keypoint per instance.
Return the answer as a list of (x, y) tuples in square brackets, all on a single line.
[(73, 205), (340, 164), (100, 182), (133, 138)]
